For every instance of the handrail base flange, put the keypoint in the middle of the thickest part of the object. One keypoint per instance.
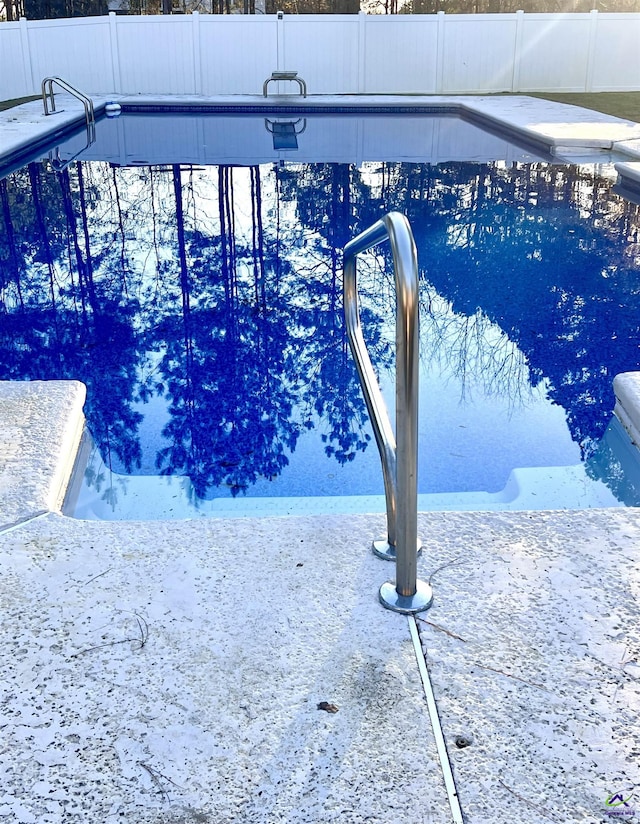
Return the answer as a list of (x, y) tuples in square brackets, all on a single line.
[(383, 549), (420, 601)]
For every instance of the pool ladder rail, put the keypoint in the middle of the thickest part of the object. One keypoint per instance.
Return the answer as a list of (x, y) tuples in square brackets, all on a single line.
[(49, 103), (406, 594)]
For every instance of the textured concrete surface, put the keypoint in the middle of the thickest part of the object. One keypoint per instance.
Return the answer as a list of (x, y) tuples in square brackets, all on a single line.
[(176, 671), (627, 391), (564, 127), (173, 672), (41, 423), (534, 653)]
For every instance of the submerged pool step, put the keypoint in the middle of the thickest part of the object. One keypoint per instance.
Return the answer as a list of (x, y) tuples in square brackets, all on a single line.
[(147, 498)]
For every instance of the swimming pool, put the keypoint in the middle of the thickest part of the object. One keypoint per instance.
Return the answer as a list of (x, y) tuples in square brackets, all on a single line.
[(200, 301)]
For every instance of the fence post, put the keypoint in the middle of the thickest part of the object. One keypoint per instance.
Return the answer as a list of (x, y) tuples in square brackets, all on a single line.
[(115, 53), (280, 56), (362, 52), (197, 61), (26, 58), (440, 52), (591, 52), (517, 51)]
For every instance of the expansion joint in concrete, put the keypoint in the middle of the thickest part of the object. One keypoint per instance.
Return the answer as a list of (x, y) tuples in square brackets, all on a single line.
[(23, 522), (443, 755)]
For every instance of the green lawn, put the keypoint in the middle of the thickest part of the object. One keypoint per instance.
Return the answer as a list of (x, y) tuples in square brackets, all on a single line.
[(619, 104), (8, 104)]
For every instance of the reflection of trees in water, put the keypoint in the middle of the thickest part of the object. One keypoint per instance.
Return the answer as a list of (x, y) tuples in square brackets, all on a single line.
[(554, 272), (220, 290), (227, 355), (473, 350), (262, 354), (326, 199), (165, 282), (59, 320)]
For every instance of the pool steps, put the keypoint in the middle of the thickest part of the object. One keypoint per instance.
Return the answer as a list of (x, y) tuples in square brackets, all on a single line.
[(627, 391), (145, 497)]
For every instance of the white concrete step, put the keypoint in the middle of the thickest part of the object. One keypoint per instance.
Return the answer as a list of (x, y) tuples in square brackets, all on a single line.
[(142, 497)]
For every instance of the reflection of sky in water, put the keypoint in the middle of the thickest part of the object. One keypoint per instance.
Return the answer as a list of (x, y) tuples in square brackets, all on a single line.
[(202, 307)]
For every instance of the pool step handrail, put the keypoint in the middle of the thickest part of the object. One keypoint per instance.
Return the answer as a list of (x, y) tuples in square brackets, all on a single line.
[(57, 164), (49, 103), (399, 461)]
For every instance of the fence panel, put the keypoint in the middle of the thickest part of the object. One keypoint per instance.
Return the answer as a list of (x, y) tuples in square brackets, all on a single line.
[(14, 81), (156, 54), (335, 54), (400, 54), (323, 49), (478, 53), (76, 50), (555, 52), (237, 53), (616, 59)]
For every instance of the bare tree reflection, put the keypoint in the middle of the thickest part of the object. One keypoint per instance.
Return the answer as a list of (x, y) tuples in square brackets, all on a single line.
[(217, 291), (473, 350)]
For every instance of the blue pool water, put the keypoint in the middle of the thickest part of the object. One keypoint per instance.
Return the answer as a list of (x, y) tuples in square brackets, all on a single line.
[(200, 303)]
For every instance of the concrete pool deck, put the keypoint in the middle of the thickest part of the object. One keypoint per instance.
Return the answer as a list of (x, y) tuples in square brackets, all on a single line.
[(242, 670), (569, 133), (561, 129), (176, 671)]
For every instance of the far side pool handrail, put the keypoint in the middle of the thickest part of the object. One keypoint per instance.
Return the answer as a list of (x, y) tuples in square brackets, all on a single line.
[(399, 461), (49, 102)]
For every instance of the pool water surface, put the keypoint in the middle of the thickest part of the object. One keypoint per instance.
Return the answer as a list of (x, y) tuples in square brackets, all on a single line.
[(201, 305)]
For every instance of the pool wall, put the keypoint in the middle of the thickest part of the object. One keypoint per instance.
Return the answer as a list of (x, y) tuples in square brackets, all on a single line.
[(489, 127), (440, 136), (627, 391), (336, 54)]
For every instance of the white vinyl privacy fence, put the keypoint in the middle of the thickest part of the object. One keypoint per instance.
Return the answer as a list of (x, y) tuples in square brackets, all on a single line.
[(339, 54)]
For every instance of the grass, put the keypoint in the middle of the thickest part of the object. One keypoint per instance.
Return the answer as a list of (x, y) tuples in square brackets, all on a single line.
[(619, 104), (16, 101)]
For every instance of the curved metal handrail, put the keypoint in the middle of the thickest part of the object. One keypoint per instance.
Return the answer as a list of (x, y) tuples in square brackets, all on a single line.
[(399, 461), (294, 123), (48, 98), (58, 164)]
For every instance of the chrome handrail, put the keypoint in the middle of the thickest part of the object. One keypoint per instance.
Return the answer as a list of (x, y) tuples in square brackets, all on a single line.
[(294, 123), (48, 97), (58, 164), (399, 462)]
